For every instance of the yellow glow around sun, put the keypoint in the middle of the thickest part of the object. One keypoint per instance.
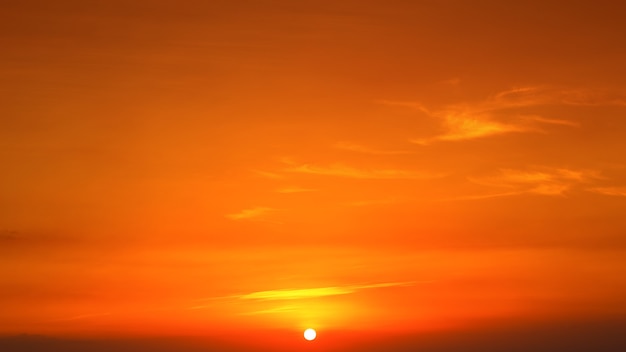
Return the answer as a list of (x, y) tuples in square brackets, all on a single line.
[(310, 334)]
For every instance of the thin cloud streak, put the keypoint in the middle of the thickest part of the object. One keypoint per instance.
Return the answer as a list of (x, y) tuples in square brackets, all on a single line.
[(300, 294), (251, 213), (357, 148), (554, 121), (547, 182), (610, 191), (484, 119), (339, 170), (483, 196), (546, 95), (294, 294), (466, 125)]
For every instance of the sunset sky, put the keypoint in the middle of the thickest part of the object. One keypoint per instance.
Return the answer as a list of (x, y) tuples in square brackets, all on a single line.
[(418, 174)]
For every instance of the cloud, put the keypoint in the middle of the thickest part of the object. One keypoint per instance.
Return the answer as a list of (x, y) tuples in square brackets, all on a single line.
[(252, 213), (554, 121), (462, 125), (307, 293), (546, 181), (367, 150), (339, 170), (549, 95), (484, 196), (297, 294), (610, 191), (496, 115), (545, 175)]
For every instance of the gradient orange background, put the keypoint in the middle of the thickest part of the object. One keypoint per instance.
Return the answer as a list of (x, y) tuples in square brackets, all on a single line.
[(248, 169)]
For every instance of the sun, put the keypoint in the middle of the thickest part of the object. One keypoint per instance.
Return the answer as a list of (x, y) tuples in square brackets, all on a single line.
[(310, 334)]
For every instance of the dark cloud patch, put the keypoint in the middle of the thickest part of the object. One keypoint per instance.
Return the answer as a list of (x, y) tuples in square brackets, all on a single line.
[(34, 343), (574, 336), (577, 336)]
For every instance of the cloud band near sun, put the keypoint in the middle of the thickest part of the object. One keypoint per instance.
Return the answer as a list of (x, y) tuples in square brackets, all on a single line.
[(307, 293)]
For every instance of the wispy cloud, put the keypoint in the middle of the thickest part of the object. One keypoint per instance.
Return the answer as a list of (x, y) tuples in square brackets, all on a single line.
[(293, 294), (339, 170), (550, 95), (307, 293), (483, 196), (553, 121), (497, 115), (540, 175), (545, 181), (353, 147), (610, 191), (462, 125), (252, 213)]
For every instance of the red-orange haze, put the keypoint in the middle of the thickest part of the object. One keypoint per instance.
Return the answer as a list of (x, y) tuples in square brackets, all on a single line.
[(243, 170)]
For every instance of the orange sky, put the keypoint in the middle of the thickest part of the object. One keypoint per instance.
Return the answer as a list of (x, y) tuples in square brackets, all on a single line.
[(379, 167)]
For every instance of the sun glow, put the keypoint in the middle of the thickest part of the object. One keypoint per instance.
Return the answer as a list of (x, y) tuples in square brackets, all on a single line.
[(310, 334)]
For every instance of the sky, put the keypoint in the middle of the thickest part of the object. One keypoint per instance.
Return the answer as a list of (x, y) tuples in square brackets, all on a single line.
[(415, 175)]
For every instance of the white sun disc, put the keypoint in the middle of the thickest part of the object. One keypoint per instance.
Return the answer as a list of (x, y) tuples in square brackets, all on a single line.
[(310, 334)]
